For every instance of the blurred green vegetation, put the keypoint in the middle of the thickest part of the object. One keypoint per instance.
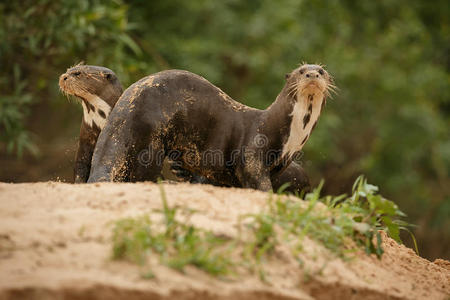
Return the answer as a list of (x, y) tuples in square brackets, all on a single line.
[(389, 58)]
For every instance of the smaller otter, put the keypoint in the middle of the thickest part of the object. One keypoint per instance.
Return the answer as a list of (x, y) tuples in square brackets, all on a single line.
[(98, 89)]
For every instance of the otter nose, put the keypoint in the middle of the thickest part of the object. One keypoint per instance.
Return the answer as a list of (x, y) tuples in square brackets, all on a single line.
[(312, 75)]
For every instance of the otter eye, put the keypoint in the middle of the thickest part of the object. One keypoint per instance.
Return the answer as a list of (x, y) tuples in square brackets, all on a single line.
[(321, 71), (108, 76), (302, 71)]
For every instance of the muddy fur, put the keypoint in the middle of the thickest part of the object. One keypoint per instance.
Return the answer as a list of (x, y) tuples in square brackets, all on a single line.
[(180, 112), (94, 82)]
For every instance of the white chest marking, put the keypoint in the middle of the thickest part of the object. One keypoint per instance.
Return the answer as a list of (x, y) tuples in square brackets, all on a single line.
[(299, 134), (90, 116)]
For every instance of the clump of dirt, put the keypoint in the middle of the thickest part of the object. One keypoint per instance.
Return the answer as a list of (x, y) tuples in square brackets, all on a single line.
[(55, 243)]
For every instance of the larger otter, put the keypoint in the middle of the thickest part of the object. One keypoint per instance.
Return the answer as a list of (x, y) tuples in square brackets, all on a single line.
[(94, 85), (179, 112)]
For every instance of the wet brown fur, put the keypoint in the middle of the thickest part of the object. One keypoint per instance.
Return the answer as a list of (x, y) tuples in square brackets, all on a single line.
[(178, 110)]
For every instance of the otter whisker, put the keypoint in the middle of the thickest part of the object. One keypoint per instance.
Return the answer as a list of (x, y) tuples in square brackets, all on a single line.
[(292, 91), (293, 88), (332, 85), (65, 94), (332, 88)]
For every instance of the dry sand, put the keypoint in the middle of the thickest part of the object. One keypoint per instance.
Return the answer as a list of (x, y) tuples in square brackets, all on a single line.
[(54, 244)]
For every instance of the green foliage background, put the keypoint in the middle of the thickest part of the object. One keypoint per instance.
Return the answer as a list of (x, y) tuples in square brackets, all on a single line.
[(389, 58)]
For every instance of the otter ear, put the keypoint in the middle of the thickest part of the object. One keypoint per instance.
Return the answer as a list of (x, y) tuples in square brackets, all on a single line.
[(287, 76)]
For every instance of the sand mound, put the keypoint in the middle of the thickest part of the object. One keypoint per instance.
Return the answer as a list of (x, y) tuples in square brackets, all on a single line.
[(54, 244)]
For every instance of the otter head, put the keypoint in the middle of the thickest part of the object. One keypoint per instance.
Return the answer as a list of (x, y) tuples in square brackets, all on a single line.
[(309, 81), (97, 87), (307, 88)]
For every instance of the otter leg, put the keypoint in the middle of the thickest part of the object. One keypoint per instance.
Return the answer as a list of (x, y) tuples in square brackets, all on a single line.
[(126, 151), (177, 169), (116, 144), (148, 162), (295, 175), (86, 145), (181, 173), (257, 180), (254, 175)]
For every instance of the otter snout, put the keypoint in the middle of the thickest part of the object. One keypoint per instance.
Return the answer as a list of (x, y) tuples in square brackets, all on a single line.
[(309, 79), (312, 74), (62, 80), (68, 79), (65, 84), (63, 77)]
